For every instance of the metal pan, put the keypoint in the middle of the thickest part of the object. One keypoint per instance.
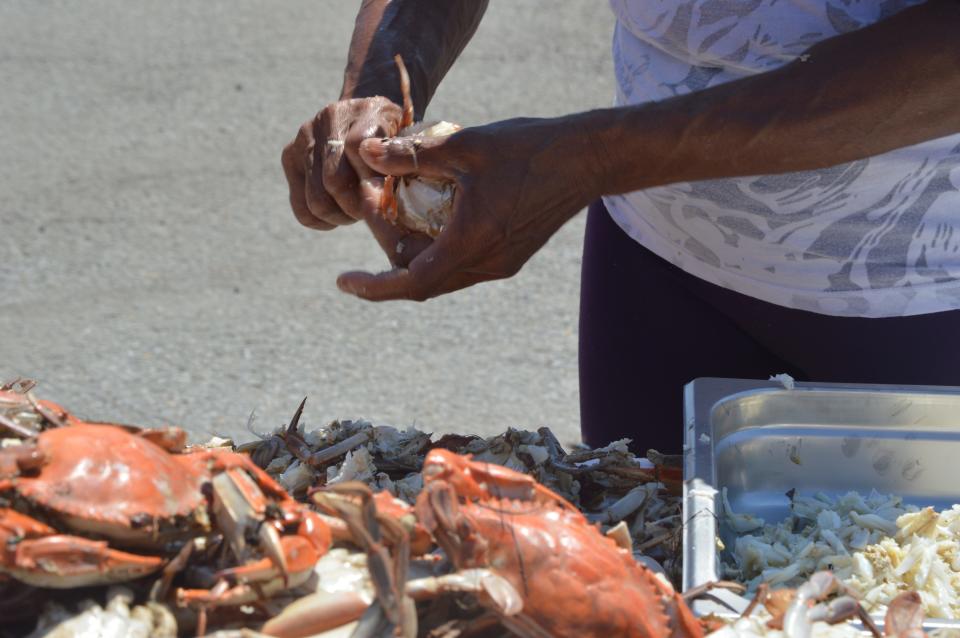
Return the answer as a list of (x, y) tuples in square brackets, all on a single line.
[(760, 440)]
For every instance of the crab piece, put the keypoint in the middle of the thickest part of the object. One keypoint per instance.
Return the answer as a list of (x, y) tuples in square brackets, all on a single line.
[(490, 517), (382, 597), (36, 555), (335, 501), (104, 481), (257, 580), (477, 481), (372, 528), (823, 598), (129, 492), (420, 204), (241, 510), (904, 617), (20, 414)]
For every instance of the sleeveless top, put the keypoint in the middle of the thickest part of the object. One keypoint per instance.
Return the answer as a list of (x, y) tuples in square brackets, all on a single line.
[(878, 237)]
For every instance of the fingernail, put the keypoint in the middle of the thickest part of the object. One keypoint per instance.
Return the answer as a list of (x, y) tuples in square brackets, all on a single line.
[(374, 148)]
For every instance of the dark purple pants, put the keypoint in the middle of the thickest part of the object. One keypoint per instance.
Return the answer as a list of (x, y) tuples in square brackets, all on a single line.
[(647, 328)]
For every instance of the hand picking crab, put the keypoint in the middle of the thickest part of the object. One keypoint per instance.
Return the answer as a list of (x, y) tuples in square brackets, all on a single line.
[(92, 504)]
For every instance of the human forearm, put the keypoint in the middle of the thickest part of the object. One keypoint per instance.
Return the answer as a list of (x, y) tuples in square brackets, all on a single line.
[(890, 85), (428, 34)]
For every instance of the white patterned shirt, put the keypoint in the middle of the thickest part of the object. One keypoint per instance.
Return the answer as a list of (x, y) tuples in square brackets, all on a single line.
[(878, 237)]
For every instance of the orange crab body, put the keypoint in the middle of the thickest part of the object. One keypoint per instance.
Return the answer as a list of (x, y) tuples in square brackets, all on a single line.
[(573, 581), (76, 500), (102, 480)]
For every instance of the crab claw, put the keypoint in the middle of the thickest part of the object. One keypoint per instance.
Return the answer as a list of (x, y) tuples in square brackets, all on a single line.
[(389, 207), (35, 554), (273, 548), (14, 525), (65, 562), (258, 579), (317, 613), (239, 507), (475, 479), (483, 582)]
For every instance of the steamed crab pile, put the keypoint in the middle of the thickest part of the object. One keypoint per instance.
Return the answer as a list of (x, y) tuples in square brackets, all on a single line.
[(356, 529), (393, 533), (638, 498)]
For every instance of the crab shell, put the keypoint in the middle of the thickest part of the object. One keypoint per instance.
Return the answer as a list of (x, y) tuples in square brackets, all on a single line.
[(425, 204), (104, 481), (573, 580)]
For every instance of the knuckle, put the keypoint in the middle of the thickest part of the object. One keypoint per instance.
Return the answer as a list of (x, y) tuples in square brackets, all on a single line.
[(288, 157), (335, 184), (305, 218), (357, 134), (306, 131), (474, 137), (327, 112), (319, 204)]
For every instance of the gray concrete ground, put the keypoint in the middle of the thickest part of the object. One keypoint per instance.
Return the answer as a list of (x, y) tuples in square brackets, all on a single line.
[(151, 272)]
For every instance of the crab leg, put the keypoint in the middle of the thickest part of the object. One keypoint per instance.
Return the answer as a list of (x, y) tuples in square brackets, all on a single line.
[(405, 91), (317, 613), (16, 428), (474, 479), (33, 553), (14, 525), (64, 562), (299, 557), (257, 580), (388, 201), (368, 527), (289, 562)]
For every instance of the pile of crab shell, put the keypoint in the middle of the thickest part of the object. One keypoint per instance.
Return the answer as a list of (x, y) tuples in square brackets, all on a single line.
[(349, 530)]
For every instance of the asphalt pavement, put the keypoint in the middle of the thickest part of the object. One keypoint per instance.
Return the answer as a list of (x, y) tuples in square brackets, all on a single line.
[(151, 271)]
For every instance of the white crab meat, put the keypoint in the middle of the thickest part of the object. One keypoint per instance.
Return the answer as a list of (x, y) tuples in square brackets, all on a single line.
[(425, 204)]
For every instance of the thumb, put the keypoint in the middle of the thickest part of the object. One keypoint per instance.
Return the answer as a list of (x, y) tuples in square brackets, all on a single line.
[(414, 155), (419, 281)]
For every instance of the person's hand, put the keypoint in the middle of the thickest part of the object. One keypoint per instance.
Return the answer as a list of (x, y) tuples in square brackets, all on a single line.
[(517, 181), (331, 186)]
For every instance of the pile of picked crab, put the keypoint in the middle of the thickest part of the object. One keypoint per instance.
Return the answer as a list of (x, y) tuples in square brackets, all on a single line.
[(357, 530)]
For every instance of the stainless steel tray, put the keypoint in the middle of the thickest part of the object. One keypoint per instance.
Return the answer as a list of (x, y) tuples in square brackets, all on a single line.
[(760, 440)]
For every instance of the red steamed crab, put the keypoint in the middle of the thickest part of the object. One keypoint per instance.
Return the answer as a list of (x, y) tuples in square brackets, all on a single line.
[(569, 579), (89, 504)]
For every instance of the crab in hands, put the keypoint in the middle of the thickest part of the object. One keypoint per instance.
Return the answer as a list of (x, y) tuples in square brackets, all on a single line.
[(90, 504), (569, 579), (418, 203)]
